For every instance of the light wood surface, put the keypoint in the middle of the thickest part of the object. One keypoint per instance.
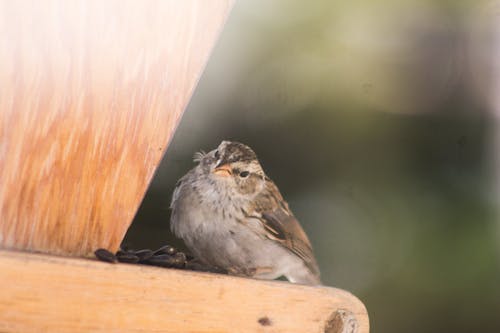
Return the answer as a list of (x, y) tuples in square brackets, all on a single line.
[(91, 93), (42, 293)]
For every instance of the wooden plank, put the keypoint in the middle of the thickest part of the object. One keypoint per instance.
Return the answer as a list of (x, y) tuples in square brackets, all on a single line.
[(91, 94), (42, 293)]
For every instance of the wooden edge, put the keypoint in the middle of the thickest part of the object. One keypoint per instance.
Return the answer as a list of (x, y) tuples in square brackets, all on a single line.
[(42, 293)]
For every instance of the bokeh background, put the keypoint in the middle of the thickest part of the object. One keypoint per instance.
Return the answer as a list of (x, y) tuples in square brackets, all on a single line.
[(379, 121)]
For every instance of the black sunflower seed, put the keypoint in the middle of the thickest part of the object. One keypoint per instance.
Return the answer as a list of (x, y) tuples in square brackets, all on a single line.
[(144, 254), (163, 260), (166, 249), (127, 258), (105, 255)]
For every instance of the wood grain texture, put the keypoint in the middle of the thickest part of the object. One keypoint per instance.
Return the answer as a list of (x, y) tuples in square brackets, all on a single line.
[(43, 293), (91, 93)]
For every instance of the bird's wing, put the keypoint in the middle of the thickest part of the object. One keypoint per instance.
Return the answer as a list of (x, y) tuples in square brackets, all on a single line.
[(280, 225)]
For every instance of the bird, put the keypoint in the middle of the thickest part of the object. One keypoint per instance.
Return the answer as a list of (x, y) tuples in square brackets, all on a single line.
[(232, 216)]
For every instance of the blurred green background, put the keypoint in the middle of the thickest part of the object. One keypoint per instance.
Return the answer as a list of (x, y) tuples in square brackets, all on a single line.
[(376, 120)]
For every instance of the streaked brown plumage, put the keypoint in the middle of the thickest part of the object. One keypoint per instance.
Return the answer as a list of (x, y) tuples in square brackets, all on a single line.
[(231, 215)]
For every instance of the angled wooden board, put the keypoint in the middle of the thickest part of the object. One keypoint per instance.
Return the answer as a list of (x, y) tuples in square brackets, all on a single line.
[(92, 92)]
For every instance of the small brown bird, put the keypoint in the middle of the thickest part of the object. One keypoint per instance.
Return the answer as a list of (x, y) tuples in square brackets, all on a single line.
[(232, 216)]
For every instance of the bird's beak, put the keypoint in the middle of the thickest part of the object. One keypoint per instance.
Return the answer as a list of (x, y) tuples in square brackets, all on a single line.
[(223, 170)]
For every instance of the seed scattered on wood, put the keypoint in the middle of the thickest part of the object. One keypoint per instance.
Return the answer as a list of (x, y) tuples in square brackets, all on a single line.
[(180, 260), (144, 254), (128, 258), (121, 253), (166, 256), (163, 260), (167, 249), (105, 255)]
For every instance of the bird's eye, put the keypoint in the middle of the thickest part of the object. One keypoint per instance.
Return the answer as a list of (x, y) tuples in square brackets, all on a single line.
[(217, 155), (244, 174)]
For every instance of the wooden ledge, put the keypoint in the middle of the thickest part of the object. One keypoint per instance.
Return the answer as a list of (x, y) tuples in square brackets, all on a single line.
[(42, 293)]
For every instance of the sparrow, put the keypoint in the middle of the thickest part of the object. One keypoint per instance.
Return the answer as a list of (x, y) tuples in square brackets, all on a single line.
[(232, 216)]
